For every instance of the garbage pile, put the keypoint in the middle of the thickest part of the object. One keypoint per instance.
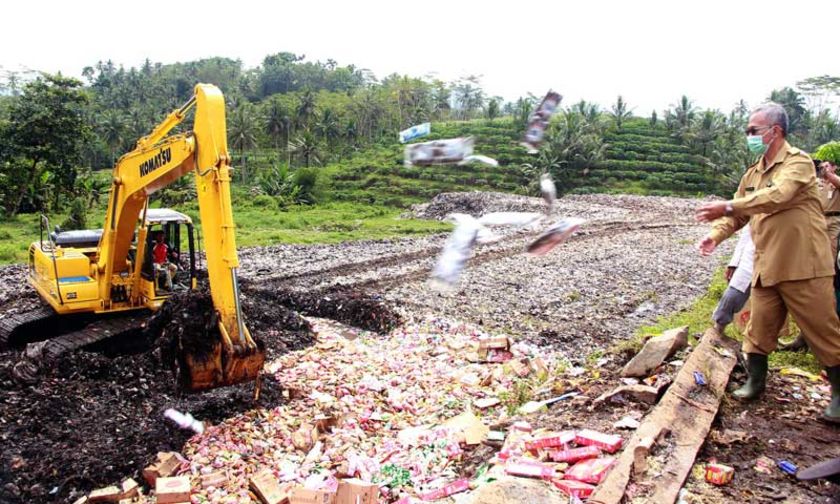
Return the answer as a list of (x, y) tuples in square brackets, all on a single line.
[(401, 417)]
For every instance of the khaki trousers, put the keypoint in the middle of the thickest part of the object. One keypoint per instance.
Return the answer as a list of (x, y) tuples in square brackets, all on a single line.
[(811, 302)]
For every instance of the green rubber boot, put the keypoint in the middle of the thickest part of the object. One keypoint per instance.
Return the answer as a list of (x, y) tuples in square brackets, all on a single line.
[(757, 369), (832, 412)]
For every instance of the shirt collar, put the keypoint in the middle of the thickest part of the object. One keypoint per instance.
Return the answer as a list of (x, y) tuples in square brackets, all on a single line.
[(780, 156)]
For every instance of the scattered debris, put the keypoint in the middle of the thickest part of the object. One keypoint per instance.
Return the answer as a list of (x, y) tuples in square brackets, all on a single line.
[(538, 121), (688, 417), (413, 132)]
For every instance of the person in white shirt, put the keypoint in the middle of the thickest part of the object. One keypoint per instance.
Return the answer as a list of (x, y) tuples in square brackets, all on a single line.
[(739, 274)]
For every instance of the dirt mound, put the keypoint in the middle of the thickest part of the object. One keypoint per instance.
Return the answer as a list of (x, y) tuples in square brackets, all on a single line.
[(475, 203), (343, 304)]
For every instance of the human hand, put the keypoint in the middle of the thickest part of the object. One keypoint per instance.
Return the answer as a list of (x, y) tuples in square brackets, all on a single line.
[(730, 270), (706, 246), (710, 211)]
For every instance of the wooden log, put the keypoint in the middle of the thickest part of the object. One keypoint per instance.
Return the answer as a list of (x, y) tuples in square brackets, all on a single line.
[(687, 411)]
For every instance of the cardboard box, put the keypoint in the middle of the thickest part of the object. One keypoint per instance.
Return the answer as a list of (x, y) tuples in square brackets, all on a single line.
[(489, 342), (129, 489), (107, 494), (215, 479), (302, 495), (356, 491), (167, 465), (172, 490), (267, 488)]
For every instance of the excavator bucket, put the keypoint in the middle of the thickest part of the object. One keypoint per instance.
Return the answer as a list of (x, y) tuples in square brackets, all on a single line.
[(221, 367)]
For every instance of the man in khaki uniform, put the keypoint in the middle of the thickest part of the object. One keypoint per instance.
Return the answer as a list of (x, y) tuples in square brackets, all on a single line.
[(830, 185), (793, 267)]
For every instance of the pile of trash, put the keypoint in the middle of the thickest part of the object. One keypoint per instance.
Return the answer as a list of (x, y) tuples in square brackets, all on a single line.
[(402, 417), (475, 203)]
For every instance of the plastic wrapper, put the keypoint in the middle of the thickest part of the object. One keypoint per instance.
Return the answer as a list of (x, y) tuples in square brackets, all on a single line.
[(478, 158), (438, 152), (538, 121), (553, 236), (574, 454), (184, 421), (610, 443), (417, 131), (590, 470), (456, 253), (531, 468), (561, 439)]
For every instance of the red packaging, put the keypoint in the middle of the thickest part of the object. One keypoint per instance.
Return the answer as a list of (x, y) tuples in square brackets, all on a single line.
[(591, 470), (610, 443), (561, 439), (574, 488), (719, 474), (524, 467), (456, 486), (575, 454)]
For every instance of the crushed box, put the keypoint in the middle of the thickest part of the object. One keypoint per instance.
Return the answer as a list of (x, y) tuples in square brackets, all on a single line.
[(575, 454), (267, 488), (610, 443), (172, 490)]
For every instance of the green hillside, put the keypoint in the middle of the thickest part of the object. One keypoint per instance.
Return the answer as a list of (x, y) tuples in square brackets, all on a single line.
[(638, 159)]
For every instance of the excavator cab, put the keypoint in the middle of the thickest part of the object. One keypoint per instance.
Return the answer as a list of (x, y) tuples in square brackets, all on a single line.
[(170, 256)]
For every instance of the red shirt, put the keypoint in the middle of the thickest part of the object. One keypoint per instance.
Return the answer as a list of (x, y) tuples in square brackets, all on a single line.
[(159, 253)]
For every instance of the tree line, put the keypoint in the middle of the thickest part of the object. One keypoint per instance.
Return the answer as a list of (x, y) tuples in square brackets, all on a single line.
[(290, 114)]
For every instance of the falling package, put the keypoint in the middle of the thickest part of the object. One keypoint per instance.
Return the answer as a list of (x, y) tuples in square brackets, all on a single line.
[(548, 191), (438, 152), (456, 252), (538, 122), (478, 158), (555, 235), (413, 132)]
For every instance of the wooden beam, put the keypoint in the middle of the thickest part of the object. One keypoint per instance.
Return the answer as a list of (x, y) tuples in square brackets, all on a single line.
[(681, 422)]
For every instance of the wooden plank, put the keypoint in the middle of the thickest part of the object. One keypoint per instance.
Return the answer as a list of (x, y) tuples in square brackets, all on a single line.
[(685, 415)]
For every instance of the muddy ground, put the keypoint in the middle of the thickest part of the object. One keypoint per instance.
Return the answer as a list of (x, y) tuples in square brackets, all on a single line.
[(96, 416)]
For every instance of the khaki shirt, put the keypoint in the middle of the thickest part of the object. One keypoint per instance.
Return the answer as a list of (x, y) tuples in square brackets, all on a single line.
[(831, 196), (783, 205)]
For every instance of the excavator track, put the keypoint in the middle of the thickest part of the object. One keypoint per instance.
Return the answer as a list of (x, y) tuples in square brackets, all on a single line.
[(96, 331), (18, 322)]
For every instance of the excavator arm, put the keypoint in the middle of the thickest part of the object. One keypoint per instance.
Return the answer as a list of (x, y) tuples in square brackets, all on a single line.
[(157, 161)]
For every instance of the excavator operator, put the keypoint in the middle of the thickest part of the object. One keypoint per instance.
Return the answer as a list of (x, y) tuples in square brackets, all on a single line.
[(160, 259)]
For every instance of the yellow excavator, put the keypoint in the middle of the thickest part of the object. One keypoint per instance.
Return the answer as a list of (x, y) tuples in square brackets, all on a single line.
[(100, 283)]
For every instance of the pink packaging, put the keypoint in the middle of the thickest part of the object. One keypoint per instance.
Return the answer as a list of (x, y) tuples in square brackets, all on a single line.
[(525, 467), (575, 454), (591, 470), (608, 442), (457, 486), (561, 439)]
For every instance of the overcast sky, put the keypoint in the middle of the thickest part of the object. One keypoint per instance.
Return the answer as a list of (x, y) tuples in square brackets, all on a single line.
[(650, 52)]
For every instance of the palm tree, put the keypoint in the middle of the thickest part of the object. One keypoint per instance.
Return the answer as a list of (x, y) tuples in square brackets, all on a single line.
[(708, 129), (305, 109), (327, 125), (112, 129), (243, 134), (619, 112), (794, 104), (278, 123), (306, 146), (493, 109), (653, 119), (681, 118)]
